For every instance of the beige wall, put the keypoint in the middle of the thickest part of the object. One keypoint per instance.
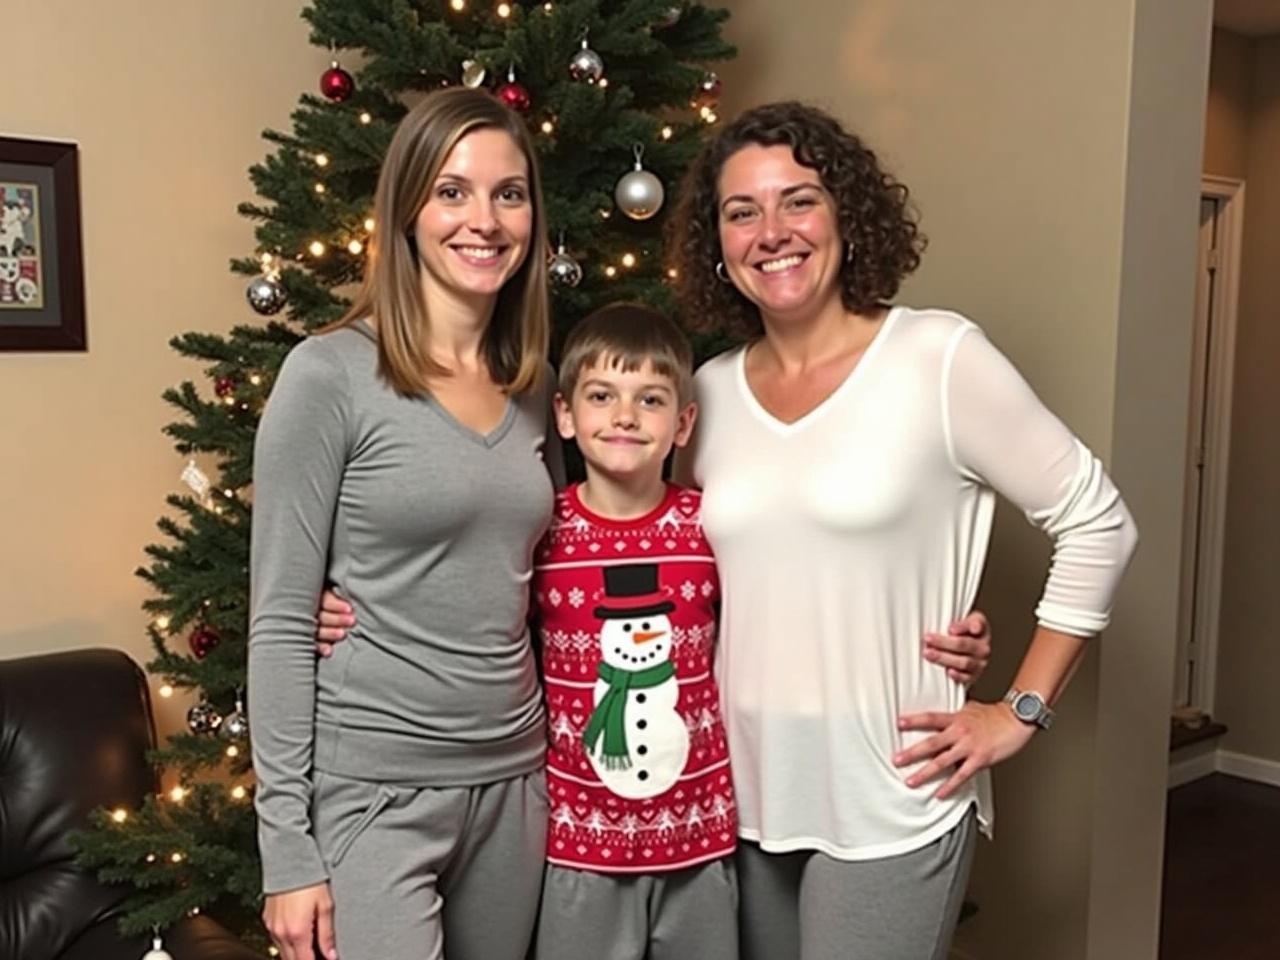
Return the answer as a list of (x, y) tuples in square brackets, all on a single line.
[(1248, 653), (1168, 80), (1016, 126), (1054, 150), (1226, 133), (167, 101)]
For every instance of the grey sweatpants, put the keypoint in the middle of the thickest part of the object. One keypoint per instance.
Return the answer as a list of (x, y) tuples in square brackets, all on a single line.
[(688, 914), (808, 906), (416, 871)]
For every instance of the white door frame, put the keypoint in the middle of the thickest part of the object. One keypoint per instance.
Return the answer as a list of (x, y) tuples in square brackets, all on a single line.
[(1217, 413)]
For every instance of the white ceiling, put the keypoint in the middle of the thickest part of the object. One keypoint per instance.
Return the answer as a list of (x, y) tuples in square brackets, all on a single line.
[(1253, 18)]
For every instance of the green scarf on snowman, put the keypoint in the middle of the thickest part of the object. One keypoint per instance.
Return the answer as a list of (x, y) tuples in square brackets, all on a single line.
[(609, 716)]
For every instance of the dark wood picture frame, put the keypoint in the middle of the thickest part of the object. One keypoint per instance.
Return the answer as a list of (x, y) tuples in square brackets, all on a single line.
[(41, 259)]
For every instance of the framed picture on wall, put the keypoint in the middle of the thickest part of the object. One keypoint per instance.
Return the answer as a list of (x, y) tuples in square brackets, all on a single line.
[(41, 268)]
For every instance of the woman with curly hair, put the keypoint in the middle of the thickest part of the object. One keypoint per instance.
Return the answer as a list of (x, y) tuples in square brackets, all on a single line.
[(849, 454)]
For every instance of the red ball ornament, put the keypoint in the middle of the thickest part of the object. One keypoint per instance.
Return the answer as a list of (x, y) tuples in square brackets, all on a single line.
[(515, 96), (224, 386), (336, 83), (202, 640)]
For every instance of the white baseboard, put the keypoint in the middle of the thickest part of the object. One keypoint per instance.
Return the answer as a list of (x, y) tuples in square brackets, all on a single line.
[(1251, 768), (1186, 769), (1193, 765)]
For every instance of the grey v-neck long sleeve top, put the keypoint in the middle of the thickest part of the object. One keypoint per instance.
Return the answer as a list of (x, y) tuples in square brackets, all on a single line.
[(428, 528)]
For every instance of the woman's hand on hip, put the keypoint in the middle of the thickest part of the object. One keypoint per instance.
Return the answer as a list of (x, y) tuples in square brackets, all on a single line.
[(300, 918), (976, 736), (964, 650), (333, 618)]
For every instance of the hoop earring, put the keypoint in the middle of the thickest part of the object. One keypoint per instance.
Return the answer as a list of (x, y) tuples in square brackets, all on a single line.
[(720, 272)]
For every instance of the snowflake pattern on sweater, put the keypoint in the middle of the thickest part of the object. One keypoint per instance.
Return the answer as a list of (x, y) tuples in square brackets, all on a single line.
[(624, 815)]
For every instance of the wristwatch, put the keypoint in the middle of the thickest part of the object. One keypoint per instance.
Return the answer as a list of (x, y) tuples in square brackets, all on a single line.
[(1029, 707)]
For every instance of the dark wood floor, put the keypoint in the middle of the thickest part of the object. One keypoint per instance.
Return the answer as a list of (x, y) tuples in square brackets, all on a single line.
[(1222, 871)]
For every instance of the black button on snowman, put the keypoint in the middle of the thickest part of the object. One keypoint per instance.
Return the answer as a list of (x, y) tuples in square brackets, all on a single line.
[(636, 740)]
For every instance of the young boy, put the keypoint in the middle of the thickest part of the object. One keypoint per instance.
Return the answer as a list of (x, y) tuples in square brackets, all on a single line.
[(642, 816)]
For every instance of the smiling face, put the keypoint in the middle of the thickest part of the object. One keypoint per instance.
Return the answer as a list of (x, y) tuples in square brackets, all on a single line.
[(625, 422), (476, 227), (779, 233), (634, 644)]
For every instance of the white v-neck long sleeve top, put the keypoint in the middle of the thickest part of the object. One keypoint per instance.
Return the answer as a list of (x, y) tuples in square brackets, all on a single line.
[(845, 536)]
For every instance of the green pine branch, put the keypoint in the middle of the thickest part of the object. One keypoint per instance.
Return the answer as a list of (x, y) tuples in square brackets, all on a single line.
[(316, 185)]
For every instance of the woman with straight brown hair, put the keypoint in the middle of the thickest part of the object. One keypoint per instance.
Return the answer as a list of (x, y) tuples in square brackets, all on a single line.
[(404, 458)]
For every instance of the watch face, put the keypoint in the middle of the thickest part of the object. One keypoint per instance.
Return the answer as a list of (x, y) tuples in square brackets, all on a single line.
[(1027, 706)]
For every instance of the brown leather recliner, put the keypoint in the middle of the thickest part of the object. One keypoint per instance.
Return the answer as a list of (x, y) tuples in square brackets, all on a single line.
[(74, 730)]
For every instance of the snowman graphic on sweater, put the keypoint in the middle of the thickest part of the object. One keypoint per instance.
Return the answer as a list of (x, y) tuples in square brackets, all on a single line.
[(636, 740)]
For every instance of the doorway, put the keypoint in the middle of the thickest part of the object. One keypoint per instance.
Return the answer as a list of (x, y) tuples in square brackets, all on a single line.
[(1208, 441)]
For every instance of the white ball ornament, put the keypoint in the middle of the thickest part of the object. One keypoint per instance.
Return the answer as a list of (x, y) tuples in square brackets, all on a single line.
[(639, 194), (157, 951)]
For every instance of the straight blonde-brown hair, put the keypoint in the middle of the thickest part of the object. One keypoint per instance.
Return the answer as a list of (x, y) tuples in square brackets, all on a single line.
[(626, 336), (516, 342)]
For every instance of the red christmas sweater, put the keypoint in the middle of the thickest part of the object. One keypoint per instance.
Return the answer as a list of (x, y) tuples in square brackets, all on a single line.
[(638, 763)]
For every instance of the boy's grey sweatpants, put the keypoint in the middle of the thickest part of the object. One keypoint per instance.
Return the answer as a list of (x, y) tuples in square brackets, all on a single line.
[(808, 906), (688, 914), (418, 871)]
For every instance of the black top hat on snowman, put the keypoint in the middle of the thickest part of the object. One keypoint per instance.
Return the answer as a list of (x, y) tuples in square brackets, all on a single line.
[(631, 591)]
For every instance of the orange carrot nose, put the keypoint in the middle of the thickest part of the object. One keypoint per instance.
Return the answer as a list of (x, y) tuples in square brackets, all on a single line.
[(646, 637)]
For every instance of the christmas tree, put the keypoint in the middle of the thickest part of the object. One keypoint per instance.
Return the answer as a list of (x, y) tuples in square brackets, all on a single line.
[(618, 95)]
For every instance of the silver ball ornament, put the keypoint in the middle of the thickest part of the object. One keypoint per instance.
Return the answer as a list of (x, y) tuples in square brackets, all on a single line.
[(639, 194), (266, 295), (203, 718), (670, 17), (564, 270), (473, 73), (235, 726), (157, 951), (586, 65)]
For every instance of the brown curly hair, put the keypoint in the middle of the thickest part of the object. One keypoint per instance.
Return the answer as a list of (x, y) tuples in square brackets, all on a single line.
[(873, 215)]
